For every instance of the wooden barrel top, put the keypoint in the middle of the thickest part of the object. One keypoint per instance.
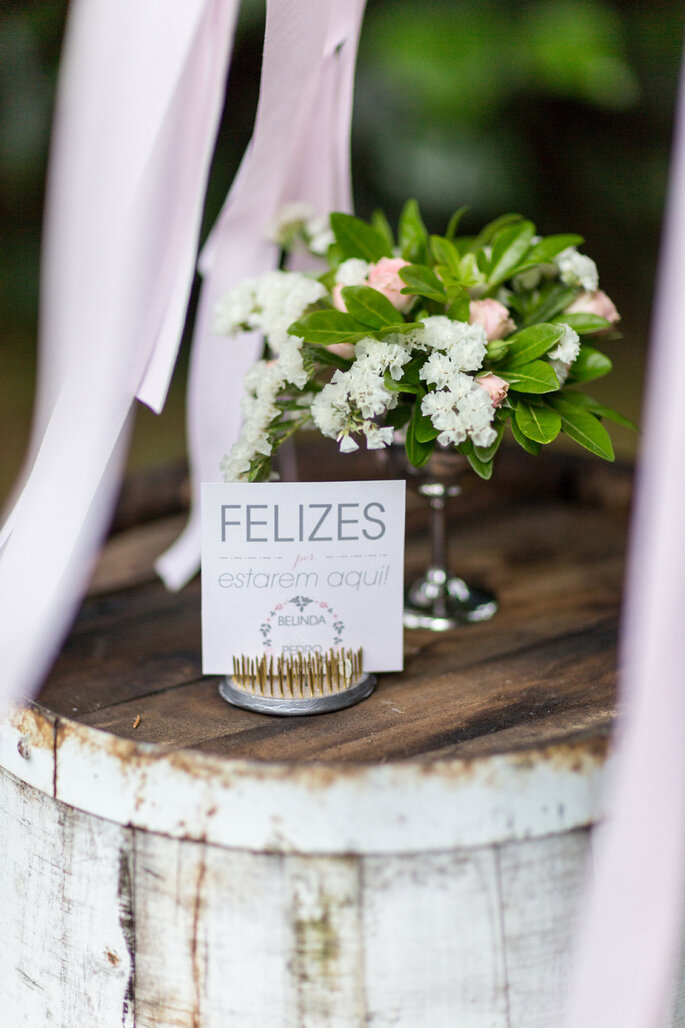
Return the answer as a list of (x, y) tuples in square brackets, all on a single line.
[(128, 728)]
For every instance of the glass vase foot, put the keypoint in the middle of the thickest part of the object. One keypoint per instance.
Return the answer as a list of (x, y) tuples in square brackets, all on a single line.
[(438, 601)]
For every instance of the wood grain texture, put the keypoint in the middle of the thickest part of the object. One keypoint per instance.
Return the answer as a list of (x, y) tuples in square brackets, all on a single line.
[(557, 570), (415, 860), (434, 945), (66, 947), (541, 889)]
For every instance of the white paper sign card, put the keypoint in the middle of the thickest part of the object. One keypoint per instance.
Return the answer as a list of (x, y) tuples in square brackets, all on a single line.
[(301, 567)]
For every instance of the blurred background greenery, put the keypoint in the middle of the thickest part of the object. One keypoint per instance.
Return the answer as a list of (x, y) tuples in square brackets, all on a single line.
[(558, 109)]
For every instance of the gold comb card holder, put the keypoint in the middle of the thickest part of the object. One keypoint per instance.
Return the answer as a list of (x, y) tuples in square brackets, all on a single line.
[(302, 591), (314, 684)]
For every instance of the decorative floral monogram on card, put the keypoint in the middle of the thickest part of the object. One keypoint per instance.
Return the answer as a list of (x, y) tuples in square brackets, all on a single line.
[(304, 625)]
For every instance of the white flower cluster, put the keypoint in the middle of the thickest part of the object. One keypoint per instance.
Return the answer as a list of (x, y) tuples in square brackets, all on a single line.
[(462, 411), (262, 383), (352, 272), (269, 304), (576, 269), (568, 347), (350, 401), (459, 408), (300, 218), (564, 353), (466, 344)]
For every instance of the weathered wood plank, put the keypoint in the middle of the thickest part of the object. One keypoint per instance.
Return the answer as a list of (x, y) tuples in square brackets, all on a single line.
[(552, 567), (434, 946), (126, 644), (541, 886), (244, 940), (168, 880), (414, 860), (410, 715), (129, 650), (326, 958), (66, 947)]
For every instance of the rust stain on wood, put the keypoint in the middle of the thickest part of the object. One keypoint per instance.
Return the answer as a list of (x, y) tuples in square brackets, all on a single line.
[(36, 727)]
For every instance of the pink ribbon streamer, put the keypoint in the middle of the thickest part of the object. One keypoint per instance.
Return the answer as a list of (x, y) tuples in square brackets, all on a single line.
[(299, 151), (140, 99), (137, 115), (630, 939)]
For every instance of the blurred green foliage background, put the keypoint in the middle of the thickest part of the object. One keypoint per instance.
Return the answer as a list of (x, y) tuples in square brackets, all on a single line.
[(559, 109)]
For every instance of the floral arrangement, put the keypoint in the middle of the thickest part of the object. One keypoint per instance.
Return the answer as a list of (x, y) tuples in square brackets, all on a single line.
[(437, 340)]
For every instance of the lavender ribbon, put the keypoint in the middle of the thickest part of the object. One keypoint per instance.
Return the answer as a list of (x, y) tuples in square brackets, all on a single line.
[(299, 151), (138, 109), (630, 939)]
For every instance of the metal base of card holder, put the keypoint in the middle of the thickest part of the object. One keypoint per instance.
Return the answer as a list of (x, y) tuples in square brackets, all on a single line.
[(295, 706)]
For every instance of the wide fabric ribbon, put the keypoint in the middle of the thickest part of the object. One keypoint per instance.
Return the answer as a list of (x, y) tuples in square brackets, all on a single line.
[(140, 99), (299, 152), (139, 105), (630, 935)]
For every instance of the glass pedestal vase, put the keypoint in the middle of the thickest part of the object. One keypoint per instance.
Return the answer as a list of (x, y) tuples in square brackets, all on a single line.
[(439, 599)]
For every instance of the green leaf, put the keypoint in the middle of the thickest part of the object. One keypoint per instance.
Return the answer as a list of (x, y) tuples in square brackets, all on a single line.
[(369, 306), (453, 223), (397, 329), (446, 253), (488, 233), (382, 226), (509, 246), (424, 429), (470, 272), (422, 281), (537, 377), (528, 445), (585, 324), (486, 453), (541, 424), (584, 428), (529, 343), (320, 355), (398, 416), (589, 365), (411, 371), (548, 248), (553, 300), (481, 467), (328, 279), (600, 409), (413, 237), (410, 381), (401, 386), (325, 327), (418, 452), (357, 239), (458, 309)]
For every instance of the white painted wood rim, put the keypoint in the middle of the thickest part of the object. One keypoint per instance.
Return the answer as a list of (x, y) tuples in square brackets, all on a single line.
[(401, 807)]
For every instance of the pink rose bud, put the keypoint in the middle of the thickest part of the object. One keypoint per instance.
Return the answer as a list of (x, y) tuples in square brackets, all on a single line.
[(345, 350), (494, 386), (337, 295), (384, 276), (595, 303), (493, 316)]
